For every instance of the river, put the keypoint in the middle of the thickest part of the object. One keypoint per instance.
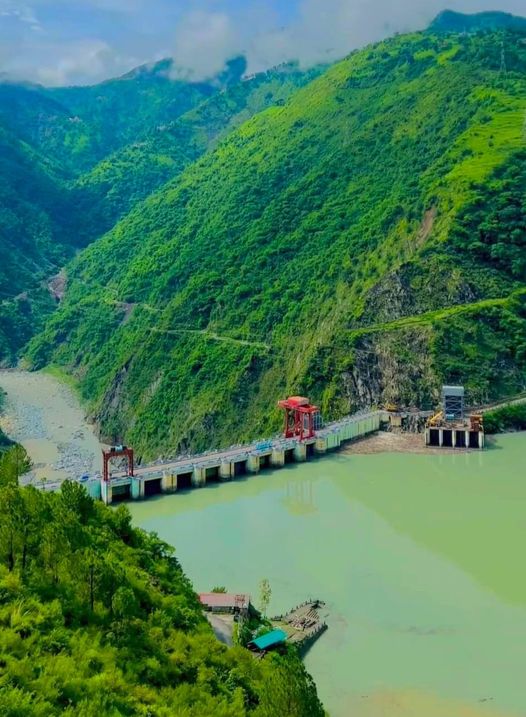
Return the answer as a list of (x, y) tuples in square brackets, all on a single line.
[(419, 558)]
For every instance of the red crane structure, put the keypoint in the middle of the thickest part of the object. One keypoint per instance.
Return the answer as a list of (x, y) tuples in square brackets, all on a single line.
[(300, 417), (117, 452)]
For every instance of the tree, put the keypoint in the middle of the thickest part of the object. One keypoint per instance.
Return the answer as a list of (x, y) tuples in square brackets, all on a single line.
[(291, 691), (14, 463), (75, 499), (265, 593)]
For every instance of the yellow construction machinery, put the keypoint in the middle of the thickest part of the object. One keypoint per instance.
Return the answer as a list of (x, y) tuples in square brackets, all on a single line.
[(436, 420), (392, 407)]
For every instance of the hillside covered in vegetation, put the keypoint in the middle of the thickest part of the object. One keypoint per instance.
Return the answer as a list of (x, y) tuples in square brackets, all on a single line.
[(362, 243), (98, 618), (36, 239), (74, 160)]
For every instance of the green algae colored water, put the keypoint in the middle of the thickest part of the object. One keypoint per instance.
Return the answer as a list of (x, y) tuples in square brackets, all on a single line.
[(420, 559)]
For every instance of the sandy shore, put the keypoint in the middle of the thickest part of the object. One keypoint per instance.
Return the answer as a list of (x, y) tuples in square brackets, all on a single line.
[(45, 416)]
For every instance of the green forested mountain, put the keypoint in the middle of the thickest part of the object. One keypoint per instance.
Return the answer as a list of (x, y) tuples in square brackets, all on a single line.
[(79, 126), (121, 110), (111, 188), (48, 126), (36, 238), (450, 21), (362, 243), (97, 618), (64, 181)]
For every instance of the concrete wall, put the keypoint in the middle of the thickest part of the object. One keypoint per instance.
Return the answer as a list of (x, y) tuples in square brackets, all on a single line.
[(328, 439)]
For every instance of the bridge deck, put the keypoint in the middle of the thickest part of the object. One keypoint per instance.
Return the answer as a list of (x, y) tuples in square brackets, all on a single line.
[(236, 454)]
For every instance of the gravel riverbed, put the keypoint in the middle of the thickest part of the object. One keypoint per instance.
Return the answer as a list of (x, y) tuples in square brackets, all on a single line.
[(45, 416)]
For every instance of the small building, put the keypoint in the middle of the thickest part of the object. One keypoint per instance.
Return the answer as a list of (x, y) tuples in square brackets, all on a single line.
[(236, 604), (268, 641), (453, 403)]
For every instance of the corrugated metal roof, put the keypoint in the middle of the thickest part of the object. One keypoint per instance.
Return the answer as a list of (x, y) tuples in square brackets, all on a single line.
[(225, 600), (275, 637), (453, 390)]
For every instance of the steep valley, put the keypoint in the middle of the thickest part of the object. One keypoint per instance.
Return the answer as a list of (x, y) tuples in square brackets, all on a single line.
[(176, 256), (74, 160), (361, 243), (355, 233)]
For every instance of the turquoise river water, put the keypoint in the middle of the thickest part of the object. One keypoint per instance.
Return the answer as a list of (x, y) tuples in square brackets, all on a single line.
[(419, 558)]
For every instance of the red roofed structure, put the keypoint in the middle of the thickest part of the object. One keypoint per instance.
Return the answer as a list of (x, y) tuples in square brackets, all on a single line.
[(299, 417), (225, 602)]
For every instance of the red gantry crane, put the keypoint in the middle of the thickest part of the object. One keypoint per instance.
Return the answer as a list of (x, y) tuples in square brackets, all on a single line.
[(117, 452), (300, 417)]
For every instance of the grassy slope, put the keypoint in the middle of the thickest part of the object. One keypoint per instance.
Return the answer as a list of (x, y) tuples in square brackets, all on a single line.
[(285, 236)]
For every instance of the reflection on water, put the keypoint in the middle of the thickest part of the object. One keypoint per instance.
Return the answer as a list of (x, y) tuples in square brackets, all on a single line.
[(299, 499), (418, 557)]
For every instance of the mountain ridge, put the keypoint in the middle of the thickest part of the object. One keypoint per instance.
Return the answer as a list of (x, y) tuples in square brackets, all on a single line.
[(284, 233), (92, 179), (452, 21)]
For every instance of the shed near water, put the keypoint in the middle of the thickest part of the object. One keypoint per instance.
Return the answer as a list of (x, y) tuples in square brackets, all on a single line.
[(268, 641), (225, 602)]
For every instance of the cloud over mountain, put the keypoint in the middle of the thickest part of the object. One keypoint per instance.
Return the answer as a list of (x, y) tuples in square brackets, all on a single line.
[(85, 41)]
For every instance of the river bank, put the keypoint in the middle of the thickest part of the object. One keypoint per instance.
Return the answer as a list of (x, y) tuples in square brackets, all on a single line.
[(389, 442), (44, 415)]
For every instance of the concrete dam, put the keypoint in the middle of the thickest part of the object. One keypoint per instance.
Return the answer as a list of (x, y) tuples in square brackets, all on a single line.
[(195, 472)]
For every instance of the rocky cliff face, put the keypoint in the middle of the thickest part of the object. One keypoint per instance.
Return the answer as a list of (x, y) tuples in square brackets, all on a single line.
[(395, 367)]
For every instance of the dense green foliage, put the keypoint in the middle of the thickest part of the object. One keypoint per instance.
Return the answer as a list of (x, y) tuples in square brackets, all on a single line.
[(5, 442), (321, 248), (111, 188), (79, 126), (507, 418), (36, 238), (120, 111), (97, 618), (73, 160)]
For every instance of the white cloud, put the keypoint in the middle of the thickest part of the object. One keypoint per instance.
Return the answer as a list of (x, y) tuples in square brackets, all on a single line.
[(19, 12), (203, 42), (87, 61), (323, 30), (111, 36)]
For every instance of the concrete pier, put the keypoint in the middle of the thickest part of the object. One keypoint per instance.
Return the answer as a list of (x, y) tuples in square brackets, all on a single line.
[(277, 459), (137, 489), (253, 465), (225, 470), (199, 477), (106, 492), (321, 446), (168, 483), (300, 452)]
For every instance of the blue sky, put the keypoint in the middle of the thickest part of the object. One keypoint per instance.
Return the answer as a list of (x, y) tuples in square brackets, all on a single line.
[(58, 42)]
